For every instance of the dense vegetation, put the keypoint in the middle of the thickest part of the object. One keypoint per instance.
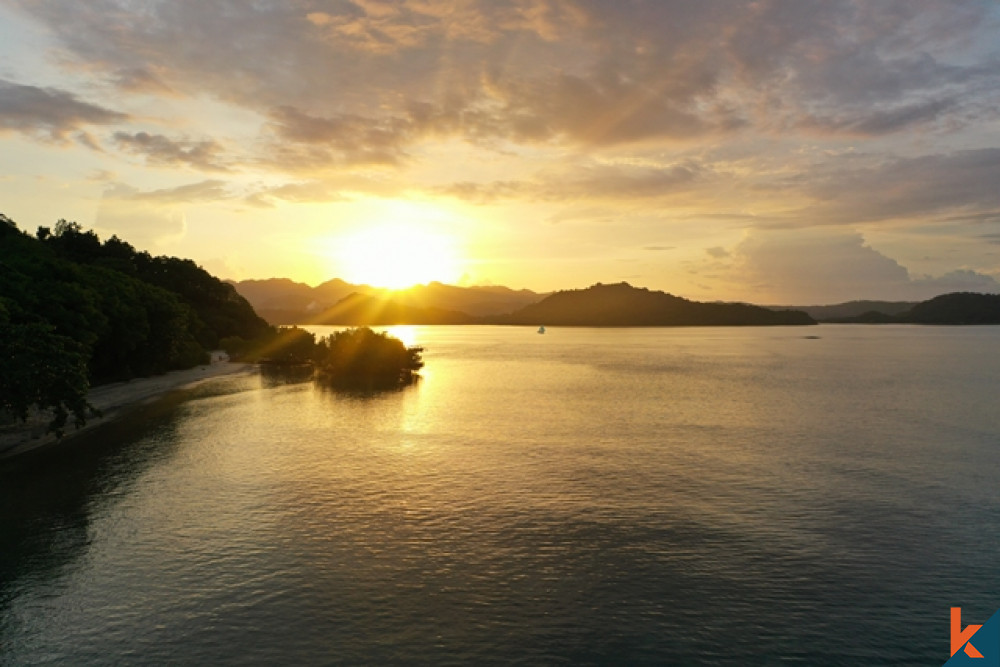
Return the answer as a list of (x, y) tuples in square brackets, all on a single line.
[(362, 356), (75, 312), (359, 358), (622, 305)]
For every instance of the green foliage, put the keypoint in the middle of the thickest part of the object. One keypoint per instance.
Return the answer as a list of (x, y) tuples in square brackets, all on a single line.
[(292, 345), (75, 311), (43, 370), (220, 311), (363, 357), (284, 345)]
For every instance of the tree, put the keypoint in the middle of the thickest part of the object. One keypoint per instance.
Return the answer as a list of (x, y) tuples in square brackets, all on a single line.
[(44, 370), (74, 311), (363, 357)]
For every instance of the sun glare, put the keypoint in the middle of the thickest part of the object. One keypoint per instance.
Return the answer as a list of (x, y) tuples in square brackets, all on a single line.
[(396, 257)]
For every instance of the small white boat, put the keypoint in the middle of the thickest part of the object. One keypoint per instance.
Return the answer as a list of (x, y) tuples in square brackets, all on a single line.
[(541, 329)]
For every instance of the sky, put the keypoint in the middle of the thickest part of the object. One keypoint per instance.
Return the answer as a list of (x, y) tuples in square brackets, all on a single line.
[(778, 151)]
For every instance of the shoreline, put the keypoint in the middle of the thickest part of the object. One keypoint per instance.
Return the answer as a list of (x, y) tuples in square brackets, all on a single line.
[(113, 400)]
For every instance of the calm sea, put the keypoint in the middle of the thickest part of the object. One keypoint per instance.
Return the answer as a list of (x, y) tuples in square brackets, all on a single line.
[(723, 496)]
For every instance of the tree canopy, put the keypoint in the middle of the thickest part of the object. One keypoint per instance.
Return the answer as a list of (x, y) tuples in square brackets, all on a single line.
[(363, 356), (76, 311)]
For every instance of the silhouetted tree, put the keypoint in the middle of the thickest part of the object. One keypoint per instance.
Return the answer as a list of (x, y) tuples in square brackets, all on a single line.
[(364, 356)]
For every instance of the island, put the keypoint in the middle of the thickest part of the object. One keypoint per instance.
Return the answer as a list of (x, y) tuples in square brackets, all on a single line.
[(354, 358), (622, 305)]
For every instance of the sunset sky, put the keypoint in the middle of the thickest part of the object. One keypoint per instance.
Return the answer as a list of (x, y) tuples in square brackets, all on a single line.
[(788, 151)]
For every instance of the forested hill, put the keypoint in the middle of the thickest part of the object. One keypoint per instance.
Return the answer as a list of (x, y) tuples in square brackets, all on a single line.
[(956, 308), (75, 311), (624, 305)]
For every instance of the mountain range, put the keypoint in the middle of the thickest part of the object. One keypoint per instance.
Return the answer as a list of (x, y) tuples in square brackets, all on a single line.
[(336, 302), (282, 301)]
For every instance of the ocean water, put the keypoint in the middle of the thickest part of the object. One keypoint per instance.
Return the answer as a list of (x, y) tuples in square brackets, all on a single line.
[(704, 496)]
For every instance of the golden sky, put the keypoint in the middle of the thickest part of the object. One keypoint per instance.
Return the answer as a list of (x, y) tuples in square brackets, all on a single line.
[(791, 151)]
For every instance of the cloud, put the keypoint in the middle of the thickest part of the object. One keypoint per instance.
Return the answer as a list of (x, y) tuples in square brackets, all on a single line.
[(203, 191), (160, 150), (148, 218), (877, 122), (584, 73), (145, 222), (962, 280), (962, 183), (344, 139), (588, 182), (50, 113), (717, 114), (143, 80), (301, 192), (601, 110), (809, 267)]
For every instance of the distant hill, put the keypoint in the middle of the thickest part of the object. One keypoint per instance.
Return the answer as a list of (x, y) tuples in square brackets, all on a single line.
[(851, 309), (956, 308), (953, 308), (479, 301), (282, 301), (624, 305)]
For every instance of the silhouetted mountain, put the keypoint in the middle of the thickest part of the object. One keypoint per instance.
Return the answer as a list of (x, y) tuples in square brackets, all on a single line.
[(624, 305), (869, 317), (956, 308), (851, 309), (478, 301), (282, 301), (364, 309)]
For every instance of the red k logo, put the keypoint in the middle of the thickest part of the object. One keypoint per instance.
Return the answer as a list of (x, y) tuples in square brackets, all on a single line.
[(960, 636)]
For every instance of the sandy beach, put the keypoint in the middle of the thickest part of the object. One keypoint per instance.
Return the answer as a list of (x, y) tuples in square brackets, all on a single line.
[(112, 400)]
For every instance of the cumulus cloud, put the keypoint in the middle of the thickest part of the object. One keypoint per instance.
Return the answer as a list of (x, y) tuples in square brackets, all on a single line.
[(962, 280), (810, 267), (50, 113)]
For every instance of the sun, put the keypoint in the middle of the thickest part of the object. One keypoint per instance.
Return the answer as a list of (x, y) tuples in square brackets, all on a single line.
[(396, 256)]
